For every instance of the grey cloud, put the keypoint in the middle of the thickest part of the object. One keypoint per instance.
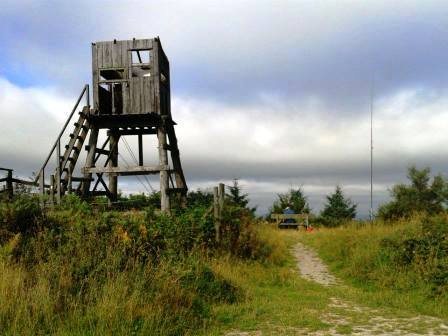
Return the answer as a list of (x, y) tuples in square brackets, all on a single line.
[(234, 54), (300, 72)]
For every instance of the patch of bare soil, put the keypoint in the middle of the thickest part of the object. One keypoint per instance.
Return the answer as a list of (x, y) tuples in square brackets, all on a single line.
[(349, 318), (311, 266)]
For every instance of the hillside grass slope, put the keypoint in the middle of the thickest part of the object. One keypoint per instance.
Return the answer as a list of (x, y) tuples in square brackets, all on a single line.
[(81, 271), (401, 264), (76, 270)]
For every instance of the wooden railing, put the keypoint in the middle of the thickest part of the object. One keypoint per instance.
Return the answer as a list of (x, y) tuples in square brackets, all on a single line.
[(10, 180), (56, 149)]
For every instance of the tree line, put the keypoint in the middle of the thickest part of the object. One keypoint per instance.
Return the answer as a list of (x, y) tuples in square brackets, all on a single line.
[(423, 193)]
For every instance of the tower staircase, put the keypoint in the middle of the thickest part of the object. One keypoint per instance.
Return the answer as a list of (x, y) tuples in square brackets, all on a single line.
[(131, 97)]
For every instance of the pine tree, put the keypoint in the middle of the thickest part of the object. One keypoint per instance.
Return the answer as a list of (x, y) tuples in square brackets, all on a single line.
[(338, 208), (294, 199), (238, 198)]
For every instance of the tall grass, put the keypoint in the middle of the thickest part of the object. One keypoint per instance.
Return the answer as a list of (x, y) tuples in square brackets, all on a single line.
[(403, 264), (79, 271)]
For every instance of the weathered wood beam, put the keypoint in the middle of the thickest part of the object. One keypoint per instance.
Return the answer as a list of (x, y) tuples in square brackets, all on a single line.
[(80, 179), (140, 150), (51, 191), (113, 163), (16, 180), (134, 170), (41, 179), (164, 175), (90, 160), (102, 151), (9, 185), (136, 131), (58, 172)]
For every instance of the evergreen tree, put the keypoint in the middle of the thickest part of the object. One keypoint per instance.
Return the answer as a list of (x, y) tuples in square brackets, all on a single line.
[(338, 208), (199, 198), (421, 195), (237, 197), (295, 199)]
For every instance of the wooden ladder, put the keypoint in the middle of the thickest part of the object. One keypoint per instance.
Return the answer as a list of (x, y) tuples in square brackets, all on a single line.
[(65, 164), (68, 160)]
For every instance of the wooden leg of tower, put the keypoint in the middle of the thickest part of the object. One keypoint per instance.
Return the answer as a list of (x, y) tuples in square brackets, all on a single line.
[(90, 161), (58, 173), (140, 150), (113, 162), (177, 166), (51, 190), (164, 175), (42, 188), (9, 185)]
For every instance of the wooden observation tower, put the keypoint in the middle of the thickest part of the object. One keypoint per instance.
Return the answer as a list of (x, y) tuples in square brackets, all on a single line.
[(131, 97)]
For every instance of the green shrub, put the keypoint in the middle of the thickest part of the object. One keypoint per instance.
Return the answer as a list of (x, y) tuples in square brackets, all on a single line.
[(426, 253), (22, 215), (81, 270), (421, 195), (295, 199), (402, 262), (199, 198), (74, 203), (212, 287)]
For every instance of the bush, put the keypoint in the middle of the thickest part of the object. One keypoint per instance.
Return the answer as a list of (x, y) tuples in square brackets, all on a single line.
[(294, 199), (199, 198), (212, 287), (74, 203), (403, 263), (426, 253), (77, 269), (114, 272), (22, 215), (420, 196)]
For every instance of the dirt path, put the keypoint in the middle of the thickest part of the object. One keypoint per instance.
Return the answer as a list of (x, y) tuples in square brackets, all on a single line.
[(311, 267), (349, 318), (337, 314)]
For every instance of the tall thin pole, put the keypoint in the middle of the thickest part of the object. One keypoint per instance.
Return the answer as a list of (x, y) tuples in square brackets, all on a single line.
[(371, 148)]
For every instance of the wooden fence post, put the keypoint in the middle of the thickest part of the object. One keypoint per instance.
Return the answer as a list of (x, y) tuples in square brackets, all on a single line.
[(9, 185), (42, 188), (216, 213), (58, 172), (69, 181), (221, 194), (52, 190)]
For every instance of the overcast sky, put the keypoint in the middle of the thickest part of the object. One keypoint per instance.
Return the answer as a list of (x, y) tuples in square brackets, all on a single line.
[(276, 93)]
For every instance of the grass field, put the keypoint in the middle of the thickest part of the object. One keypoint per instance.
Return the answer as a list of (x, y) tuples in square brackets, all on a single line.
[(399, 265), (77, 272), (279, 301)]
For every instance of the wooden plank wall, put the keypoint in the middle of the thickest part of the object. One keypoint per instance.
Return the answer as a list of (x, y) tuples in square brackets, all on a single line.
[(165, 95), (140, 94)]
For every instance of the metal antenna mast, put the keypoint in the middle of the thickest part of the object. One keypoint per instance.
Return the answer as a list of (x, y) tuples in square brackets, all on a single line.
[(371, 147)]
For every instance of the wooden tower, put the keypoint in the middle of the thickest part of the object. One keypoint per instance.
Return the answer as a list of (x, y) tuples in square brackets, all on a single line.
[(131, 97)]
